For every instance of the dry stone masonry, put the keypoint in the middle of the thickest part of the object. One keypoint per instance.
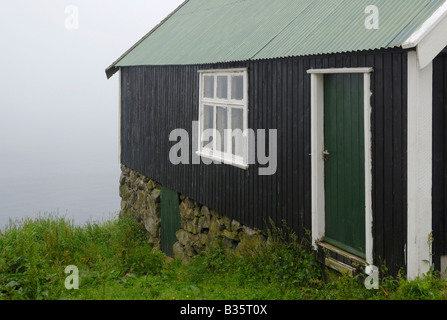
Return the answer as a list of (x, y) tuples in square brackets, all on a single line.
[(200, 226), (140, 198)]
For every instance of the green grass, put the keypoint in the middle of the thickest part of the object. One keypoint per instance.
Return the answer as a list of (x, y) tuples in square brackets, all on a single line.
[(115, 262)]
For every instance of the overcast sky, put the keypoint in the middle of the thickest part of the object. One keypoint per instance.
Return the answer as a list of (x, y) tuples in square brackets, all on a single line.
[(58, 112)]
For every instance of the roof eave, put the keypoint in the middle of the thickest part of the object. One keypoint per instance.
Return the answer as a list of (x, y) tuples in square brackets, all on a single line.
[(426, 48), (112, 69)]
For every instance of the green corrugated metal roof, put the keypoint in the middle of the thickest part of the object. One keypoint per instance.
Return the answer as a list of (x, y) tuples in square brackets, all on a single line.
[(210, 31)]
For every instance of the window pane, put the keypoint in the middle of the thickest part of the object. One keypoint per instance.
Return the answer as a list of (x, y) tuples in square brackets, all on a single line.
[(237, 88), (208, 123), (208, 86), (222, 124), (237, 126), (222, 87)]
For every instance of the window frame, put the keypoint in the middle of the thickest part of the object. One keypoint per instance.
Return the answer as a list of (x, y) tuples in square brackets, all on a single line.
[(229, 104)]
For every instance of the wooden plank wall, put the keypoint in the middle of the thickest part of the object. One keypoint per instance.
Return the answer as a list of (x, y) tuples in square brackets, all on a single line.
[(439, 158), (158, 99)]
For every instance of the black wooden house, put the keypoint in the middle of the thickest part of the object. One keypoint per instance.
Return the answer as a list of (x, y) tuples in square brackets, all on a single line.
[(350, 97)]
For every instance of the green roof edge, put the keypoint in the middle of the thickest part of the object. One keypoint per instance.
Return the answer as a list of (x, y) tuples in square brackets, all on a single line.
[(112, 69)]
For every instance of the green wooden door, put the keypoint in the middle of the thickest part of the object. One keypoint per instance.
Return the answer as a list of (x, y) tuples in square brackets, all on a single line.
[(344, 162), (170, 220)]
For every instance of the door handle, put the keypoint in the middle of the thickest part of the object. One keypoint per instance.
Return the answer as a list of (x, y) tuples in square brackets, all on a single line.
[(326, 155)]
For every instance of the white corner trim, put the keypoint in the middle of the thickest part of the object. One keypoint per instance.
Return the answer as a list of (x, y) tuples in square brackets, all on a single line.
[(119, 116), (419, 175), (317, 161), (426, 27), (431, 45), (430, 38)]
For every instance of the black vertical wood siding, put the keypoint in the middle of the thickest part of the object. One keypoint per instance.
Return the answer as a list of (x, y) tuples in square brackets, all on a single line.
[(158, 99), (439, 158)]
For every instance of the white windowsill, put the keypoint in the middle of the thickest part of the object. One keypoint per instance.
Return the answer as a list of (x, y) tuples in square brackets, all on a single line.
[(223, 158)]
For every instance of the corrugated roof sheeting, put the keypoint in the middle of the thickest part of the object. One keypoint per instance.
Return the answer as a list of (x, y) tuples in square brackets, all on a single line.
[(210, 31)]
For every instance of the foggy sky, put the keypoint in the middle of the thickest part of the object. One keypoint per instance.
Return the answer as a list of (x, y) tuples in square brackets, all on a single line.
[(58, 112)]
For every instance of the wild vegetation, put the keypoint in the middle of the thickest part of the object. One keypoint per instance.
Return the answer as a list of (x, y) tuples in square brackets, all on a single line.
[(115, 262)]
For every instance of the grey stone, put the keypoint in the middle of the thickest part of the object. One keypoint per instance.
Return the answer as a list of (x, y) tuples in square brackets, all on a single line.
[(216, 227), (179, 251), (203, 239), (186, 238), (186, 211), (189, 252), (249, 231), (227, 222), (156, 194), (204, 222), (205, 211), (122, 178), (214, 214), (230, 235), (124, 205), (192, 226), (235, 226), (197, 212), (152, 226)]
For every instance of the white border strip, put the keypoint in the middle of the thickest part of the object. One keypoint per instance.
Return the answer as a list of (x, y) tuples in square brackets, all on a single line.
[(119, 115), (419, 216), (340, 70), (369, 243), (317, 161), (426, 27), (226, 71)]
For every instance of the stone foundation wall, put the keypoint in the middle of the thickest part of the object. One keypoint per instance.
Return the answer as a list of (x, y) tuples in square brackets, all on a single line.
[(200, 226), (140, 197)]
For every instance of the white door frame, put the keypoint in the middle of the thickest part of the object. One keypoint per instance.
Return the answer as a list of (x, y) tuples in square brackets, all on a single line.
[(317, 159)]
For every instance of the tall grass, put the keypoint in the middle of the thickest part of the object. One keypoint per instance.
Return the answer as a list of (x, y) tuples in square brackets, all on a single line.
[(116, 262), (35, 252), (281, 260)]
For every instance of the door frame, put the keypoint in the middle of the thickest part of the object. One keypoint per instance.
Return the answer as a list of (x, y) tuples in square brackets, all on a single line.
[(317, 158)]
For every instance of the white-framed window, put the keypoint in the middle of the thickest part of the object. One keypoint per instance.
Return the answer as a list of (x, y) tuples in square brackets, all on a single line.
[(223, 116)]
